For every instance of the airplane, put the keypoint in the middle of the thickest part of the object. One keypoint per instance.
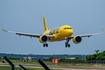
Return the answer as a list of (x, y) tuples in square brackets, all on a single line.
[(61, 33)]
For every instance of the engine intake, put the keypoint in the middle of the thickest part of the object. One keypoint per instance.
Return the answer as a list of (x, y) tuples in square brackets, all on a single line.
[(77, 39), (43, 38)]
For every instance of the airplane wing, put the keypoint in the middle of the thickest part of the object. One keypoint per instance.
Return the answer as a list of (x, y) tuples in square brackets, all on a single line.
[(88, 35), (23, 34)]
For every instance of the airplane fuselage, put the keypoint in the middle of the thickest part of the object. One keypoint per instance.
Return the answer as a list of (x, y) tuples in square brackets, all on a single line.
[(60, 33)]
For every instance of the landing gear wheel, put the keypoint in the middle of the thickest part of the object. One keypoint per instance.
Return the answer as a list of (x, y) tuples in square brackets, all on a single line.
[(67, 45), (45, 45)]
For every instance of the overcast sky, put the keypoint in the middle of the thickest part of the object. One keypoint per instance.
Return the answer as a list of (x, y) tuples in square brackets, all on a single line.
[(85, 17)]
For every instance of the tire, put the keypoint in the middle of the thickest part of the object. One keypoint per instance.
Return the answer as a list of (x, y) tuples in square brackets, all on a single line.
[(66, 44), (69, 45), (46, 45)]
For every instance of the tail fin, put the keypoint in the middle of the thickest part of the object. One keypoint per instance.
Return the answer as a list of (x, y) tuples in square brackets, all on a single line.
[(45, 24)]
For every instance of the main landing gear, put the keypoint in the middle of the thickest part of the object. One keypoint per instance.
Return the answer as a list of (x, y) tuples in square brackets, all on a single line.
[(45, 45), (67, 43)]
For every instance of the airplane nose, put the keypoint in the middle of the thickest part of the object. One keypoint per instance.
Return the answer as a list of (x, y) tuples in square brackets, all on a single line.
[(71, 32), (68, 32)]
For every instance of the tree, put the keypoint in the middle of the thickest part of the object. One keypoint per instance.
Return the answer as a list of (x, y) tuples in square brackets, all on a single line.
[(97, 56), (88, 57), (102, 58), (96, 51)]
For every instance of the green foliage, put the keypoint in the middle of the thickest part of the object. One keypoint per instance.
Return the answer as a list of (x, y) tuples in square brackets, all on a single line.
[(14, 58), (77, 58), (97, 56)]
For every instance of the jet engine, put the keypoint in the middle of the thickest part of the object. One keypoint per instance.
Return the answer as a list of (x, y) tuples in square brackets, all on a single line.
[(77, 39), (43, 38)]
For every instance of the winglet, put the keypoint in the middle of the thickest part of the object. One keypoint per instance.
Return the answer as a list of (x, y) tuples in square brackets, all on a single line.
[(4, 29), (102, 29)]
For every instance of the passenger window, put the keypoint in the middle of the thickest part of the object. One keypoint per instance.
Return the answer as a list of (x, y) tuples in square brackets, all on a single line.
[(51, 33)]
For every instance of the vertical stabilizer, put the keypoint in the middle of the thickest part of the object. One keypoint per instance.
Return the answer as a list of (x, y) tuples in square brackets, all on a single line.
[(45, 24)]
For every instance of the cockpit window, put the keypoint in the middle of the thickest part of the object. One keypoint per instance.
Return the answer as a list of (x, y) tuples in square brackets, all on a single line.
[(67, 28)]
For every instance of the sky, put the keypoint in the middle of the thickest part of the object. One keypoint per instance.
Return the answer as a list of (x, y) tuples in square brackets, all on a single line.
[(85, 17)]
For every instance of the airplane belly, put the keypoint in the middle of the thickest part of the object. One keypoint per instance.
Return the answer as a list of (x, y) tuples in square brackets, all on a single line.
[(57, 37)]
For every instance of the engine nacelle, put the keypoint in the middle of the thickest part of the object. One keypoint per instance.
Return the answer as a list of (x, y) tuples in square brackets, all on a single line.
[(77, 39), (43, 38)]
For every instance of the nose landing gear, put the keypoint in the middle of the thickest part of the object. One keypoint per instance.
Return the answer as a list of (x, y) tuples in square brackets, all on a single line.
[(67, 43)]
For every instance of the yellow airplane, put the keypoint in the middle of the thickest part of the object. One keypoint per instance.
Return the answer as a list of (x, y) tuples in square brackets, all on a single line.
[(64, 32)]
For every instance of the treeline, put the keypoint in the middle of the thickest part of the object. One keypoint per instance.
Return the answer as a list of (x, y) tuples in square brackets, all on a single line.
[(97, 56), (77, 60)]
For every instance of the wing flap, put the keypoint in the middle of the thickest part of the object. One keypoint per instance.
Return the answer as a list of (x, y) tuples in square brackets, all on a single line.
[(28, 34), (23, 34), (87, 35)]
